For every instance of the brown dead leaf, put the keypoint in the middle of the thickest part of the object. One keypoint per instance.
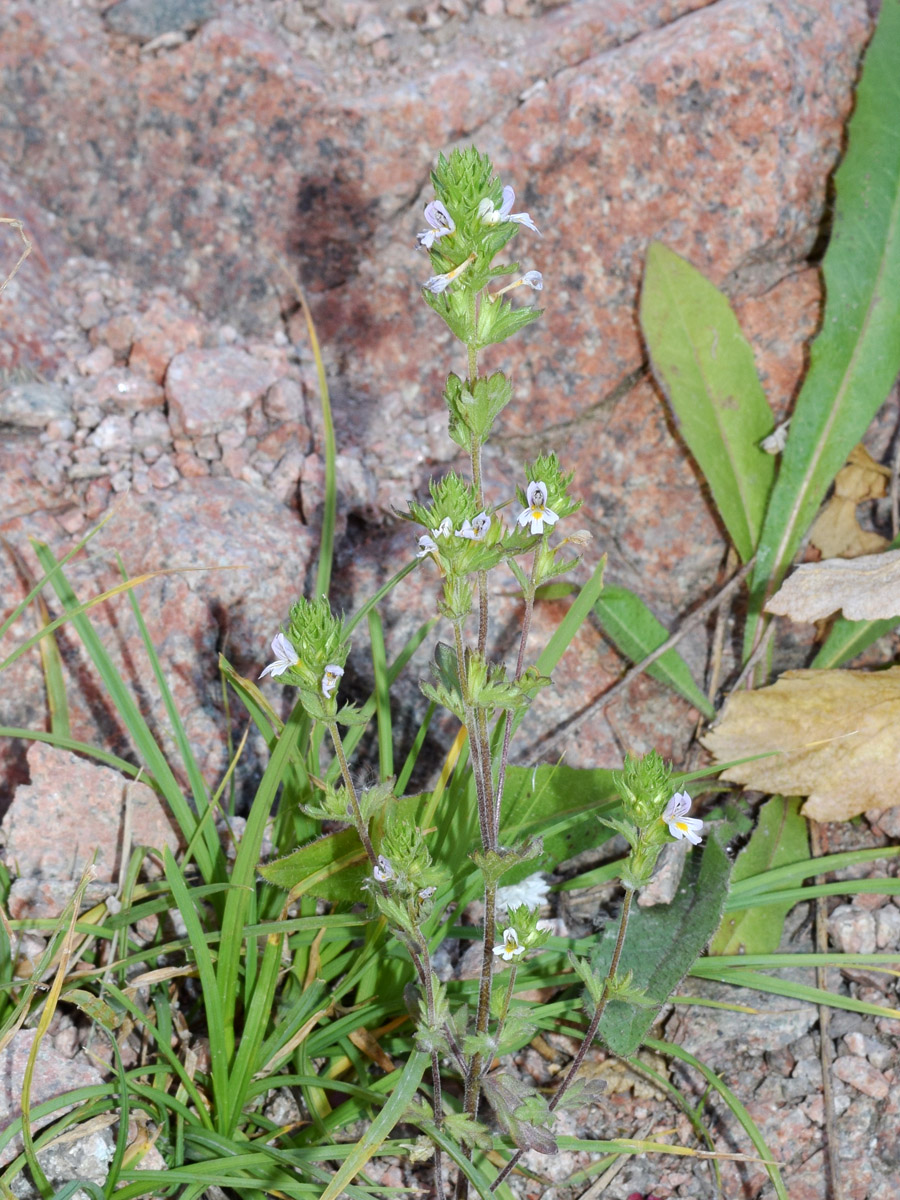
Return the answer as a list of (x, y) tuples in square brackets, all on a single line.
[(838, 734), (836, 532), (865, 589)]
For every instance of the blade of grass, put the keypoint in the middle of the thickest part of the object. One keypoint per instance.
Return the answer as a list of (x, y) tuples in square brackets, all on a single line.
[(198, 787), (382, 696), (262, 1000), (856, 356), (42, 582), (406, 1083), (774, 878), (573, 620), (738, 977), (209, 853), (212, 1000), (69, 743), (243, 875), (69, 917), (329, 506)]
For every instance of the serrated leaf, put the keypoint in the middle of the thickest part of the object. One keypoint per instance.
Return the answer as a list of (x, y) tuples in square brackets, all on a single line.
[(704, 365), (781, 837), (856, 356), (662, 943), (634, 630)]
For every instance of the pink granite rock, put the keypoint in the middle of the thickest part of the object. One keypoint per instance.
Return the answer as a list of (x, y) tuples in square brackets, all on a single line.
[(210, 390), (73, 813), (54, 1074)]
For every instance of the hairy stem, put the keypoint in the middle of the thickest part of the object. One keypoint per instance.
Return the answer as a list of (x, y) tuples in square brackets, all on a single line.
[(351, 792), (591, 1032), (507, 731), (473, 1076)]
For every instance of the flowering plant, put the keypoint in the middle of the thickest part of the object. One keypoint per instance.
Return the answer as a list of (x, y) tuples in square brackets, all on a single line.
[(409, 876)]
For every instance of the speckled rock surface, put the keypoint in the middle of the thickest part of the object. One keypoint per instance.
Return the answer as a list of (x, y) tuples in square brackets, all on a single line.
[(74, 813), (166, 156)]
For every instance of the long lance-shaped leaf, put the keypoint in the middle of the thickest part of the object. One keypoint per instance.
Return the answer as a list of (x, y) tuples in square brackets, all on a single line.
[(704, 365), (856, 356)]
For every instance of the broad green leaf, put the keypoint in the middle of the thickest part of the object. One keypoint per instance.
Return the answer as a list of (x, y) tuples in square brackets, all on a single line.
[(856, 356), (662, 943), (634, 630), (704, 365), (559, 804), (780, 838), (333, 867)]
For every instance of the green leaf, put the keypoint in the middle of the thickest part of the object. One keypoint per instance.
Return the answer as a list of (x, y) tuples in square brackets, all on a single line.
[(559, 804), (856, 356), (634, 630), (663, 943), (780, 838), (849, 638), (704, 365), (333, 867)]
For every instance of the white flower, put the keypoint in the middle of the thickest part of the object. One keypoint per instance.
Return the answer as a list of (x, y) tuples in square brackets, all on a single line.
[(330, 679), (537, 511), (476, 528), (383, 871), (441, 224), (439, 283), (534, 279), (285, 656), (496, 216), (680, 825), (509, 948), (444, 529), (532, 891), (427, 545), (427, 893)]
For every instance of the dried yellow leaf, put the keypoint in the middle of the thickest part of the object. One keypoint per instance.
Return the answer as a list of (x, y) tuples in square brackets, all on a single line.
[(866, 589), (837, 734), (836, 532)]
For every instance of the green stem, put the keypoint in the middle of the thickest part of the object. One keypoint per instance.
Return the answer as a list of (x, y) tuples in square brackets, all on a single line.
[(480, 768), (351, 791), (473, 1076), (507, 732)]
